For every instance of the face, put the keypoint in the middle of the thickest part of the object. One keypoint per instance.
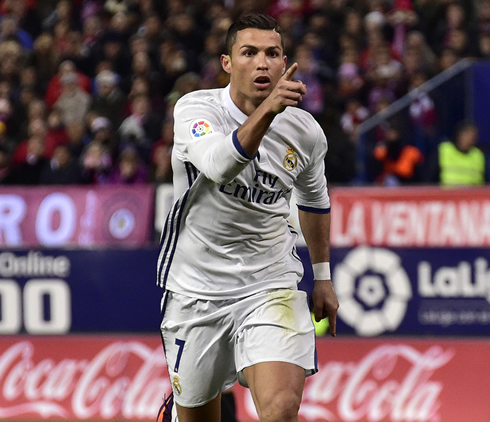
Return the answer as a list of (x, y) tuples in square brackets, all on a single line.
[(255, 66), (468, 138)]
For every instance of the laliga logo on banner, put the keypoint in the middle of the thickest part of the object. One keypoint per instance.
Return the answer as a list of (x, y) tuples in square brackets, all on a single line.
[(373, 290)]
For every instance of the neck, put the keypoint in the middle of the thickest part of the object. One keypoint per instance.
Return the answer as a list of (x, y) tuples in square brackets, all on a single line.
[(245, 104)]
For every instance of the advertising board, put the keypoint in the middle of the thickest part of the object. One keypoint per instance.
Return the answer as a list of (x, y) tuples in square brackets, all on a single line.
[(412, 291), (60, 291), (411, 217), (382, 291), (125, 378), (92, 216)]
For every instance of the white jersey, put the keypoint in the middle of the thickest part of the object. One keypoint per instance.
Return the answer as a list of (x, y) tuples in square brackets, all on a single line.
[(227, 234)]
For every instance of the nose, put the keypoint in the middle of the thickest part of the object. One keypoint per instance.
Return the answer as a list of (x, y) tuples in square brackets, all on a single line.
[(262, 61)]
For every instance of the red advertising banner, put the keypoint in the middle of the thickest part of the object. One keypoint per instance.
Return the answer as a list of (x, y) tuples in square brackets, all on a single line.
[(411, 217), (76, 216), (125, 378)]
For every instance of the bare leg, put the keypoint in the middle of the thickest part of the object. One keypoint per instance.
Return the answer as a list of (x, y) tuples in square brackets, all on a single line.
[(210, 412), (277, 389)]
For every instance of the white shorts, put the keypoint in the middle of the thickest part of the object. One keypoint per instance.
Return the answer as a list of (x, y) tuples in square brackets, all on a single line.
[(208, 343)]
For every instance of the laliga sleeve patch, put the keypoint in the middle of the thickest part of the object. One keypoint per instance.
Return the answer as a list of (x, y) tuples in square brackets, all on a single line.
[(200, 128)]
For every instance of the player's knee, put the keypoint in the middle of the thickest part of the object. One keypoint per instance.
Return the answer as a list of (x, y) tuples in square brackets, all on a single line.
[(283, 406)]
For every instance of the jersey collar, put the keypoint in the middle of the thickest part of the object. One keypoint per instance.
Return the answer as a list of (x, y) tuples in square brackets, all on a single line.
[(235, 112)]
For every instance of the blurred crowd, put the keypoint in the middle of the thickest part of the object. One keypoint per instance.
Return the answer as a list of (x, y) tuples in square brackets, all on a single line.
[(87, 87)]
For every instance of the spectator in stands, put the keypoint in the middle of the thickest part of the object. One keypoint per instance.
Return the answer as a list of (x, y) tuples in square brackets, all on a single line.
[(212, 74), (73, 103), (353, 26), (28, 170), (114, 51), (455, 18), (349, 78), (10, 61), (129, 170), (9, 30), (448, 58), (459, 161), (62, 13), (423, 115), (108, 100), (400, 162), (417, 44), (141, 129), (77, 138), (46, 60), (141, 68), (402, 18), (173, 63), (161, 154), (96, 163), (186, 83), (54, 88), (484, 46), (459, 41), (151, 30), (310, 73), (62, 169), (113, 41), (355, 113), (102, 131), (483, 16)]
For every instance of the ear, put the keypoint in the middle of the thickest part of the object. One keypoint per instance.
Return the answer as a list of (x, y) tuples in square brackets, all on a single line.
[(226, 62), (284, 65)]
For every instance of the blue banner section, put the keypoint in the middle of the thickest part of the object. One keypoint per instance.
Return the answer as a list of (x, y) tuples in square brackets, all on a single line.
[(382, 291), (79, 291), (481, 100), (415, 291)]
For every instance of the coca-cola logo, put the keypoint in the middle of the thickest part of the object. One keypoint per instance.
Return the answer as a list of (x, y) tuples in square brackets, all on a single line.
[(123, 380), (389, 383)]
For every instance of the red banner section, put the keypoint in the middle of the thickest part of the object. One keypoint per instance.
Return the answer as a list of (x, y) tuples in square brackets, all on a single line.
[(82, 378), (411, 217), (76, 216), (125, 378)]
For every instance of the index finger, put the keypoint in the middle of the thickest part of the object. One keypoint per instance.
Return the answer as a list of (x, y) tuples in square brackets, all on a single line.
[(332, 320), (288, 75)]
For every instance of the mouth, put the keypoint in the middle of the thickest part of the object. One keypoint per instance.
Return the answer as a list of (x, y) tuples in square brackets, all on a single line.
[(262, 82)]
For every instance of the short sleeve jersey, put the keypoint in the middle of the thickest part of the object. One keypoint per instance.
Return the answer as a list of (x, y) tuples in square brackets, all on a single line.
[(227, 234)]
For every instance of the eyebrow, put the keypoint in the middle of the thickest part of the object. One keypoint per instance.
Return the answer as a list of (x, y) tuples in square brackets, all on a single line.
[(254, 47)]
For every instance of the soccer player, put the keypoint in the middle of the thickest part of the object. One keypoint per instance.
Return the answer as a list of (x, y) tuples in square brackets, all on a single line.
[(231, 307)]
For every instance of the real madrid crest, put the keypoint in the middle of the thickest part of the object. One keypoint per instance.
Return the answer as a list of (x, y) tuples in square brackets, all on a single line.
[(290, 160), (176, 385)]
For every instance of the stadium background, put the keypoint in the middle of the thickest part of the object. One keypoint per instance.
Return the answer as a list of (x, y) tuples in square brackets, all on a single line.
[(79, 308)]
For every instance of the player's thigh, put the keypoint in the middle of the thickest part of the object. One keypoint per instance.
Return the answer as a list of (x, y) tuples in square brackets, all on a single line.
[(277, 389), (198, 349), (210, 412), (278, 329)]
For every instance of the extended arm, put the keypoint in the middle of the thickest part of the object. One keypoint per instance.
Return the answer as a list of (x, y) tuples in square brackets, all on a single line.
[(316, 230), (286, 93)]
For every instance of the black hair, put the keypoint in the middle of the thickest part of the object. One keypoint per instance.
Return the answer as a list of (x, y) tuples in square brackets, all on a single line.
[(256, 21)]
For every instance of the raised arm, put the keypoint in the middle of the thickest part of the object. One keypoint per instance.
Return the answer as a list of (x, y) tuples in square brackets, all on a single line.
[(286, 93)]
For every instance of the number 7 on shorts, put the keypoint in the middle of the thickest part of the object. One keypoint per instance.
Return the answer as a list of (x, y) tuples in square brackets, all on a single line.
[(181, 344)]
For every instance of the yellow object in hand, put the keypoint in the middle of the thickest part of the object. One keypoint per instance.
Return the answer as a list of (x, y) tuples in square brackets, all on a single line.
[(321, 327)]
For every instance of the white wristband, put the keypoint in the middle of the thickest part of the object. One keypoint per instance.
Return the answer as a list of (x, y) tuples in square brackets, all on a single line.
[(321, 271)]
